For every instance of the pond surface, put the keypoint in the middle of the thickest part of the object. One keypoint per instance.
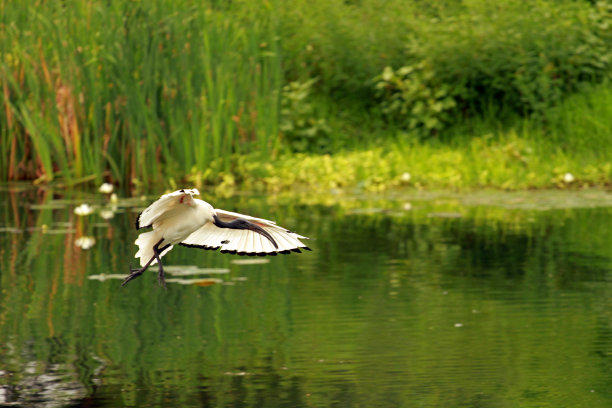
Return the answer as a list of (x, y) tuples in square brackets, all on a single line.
[(437, 300)]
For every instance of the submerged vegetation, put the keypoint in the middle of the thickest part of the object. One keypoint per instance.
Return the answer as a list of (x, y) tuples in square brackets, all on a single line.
[(317, 95)]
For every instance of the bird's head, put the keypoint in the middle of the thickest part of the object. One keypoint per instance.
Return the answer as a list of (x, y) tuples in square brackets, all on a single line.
[(190, 191), (187, 196)]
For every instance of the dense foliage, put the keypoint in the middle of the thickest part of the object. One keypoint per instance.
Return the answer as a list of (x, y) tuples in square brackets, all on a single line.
[(427, 68), (138, 91)]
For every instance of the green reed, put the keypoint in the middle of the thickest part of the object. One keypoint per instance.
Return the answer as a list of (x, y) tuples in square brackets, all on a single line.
[(134, 91)]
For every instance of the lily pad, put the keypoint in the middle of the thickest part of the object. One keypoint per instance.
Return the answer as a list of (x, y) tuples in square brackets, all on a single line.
[(198, 282), (11, 230), (48, 206), (189, 270), (63, 231), (250, 261), (102, 277), (52, 231)]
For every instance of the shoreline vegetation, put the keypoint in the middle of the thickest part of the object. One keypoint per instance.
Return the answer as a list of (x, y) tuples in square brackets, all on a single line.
[(314, 96)]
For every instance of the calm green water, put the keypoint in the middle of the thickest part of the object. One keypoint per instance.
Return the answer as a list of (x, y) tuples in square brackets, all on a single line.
[(406, 301)]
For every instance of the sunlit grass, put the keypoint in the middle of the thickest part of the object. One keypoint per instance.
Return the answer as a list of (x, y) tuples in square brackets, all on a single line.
[(507, 162)]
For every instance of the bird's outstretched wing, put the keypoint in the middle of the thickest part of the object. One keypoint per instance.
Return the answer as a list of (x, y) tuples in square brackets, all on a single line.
[(161, 206), (245, 241)]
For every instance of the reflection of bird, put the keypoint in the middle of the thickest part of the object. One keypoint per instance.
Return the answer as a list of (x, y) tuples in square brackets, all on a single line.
[(178, 218)]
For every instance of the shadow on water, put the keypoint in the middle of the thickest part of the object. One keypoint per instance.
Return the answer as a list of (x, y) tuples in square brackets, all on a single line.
[(440, 300)]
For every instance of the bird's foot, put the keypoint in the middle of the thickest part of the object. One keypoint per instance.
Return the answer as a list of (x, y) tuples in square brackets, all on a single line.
[(161, 279), (134, 273)]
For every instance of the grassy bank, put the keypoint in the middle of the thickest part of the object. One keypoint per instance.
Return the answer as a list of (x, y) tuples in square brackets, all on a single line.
[(316, 94), (570, 148)]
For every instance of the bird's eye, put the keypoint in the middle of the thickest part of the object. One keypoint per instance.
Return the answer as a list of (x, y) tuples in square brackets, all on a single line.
[(225, 242)]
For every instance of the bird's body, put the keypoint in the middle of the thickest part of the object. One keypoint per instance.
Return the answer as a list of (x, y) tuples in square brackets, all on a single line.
[(178, 218)]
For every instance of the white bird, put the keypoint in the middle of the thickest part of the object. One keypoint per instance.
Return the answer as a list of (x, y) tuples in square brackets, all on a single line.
[(178, 218)]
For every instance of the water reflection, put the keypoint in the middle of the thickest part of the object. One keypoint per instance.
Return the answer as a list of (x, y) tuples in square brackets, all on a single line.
[(42, 385), (445, 302)]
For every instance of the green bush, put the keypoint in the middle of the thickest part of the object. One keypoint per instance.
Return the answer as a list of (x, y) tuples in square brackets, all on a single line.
[(300, 127), (524, 56), (413, 96), (343, 43)]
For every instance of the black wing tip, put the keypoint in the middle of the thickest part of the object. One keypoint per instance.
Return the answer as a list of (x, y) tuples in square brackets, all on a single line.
[(233, 252), (138, 227), (208, 248), (242, 253), (292, 250), (138, 221)]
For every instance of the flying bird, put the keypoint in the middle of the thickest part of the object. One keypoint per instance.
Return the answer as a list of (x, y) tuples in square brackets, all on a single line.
[(178, 218)]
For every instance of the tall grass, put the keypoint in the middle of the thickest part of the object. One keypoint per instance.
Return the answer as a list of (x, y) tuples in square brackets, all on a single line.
[(134, 91)]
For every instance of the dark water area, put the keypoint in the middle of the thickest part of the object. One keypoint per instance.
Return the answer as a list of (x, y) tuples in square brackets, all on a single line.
[(499, 300)]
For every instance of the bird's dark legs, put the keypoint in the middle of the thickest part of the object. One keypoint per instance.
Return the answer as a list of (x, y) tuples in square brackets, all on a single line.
[(137, 272), (161, 279), (156, 255)]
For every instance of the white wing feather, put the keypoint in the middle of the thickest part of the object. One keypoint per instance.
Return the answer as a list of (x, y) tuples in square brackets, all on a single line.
[(244, 242), (161, 206)]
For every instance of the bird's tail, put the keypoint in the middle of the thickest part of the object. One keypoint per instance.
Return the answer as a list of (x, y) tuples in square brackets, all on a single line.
[(145, 242)]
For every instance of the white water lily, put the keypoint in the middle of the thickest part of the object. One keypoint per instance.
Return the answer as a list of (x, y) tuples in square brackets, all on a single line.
[(406, 177), (85, 242), (107, 213), (83, 209), (568, 177), (106, 188)]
